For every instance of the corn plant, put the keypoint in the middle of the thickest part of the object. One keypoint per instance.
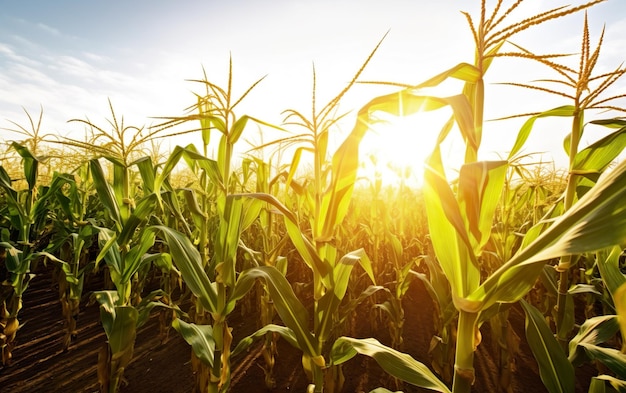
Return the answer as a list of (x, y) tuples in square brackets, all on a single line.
[(27, 212), (217, 223), (271, 241), (124, 243), (73, 236), (585, 165), (327, 200), (464, 215)]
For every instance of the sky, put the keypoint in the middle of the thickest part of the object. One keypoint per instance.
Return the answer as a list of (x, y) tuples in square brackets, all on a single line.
[(70, 57)]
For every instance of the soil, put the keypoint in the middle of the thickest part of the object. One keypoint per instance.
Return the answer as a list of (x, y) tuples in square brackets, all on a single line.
[(40, 364)]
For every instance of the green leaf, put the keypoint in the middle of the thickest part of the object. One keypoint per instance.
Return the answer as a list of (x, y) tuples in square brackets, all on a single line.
[(30, 164), (237, 129), (596, 221), (289, 308), (395, 363), (119, 322), (105, 193), (594, 331), (187, 258), (608, 265), (480, 187), (620, 308), (147, 172), (124, 330), (596, 157), (598, 384), (612, 358), (327, 310), (448, 232), (284, 332), (462, 71), (109, 250), (228, 239), (200, 337), (555, 370), (524, 132), (134, 259), (304, 245), (145, 207)]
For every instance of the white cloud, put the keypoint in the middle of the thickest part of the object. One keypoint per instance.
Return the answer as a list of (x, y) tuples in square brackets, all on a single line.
[(48, 29)]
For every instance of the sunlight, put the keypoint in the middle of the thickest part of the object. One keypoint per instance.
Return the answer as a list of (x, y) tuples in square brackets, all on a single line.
[(397, 148)]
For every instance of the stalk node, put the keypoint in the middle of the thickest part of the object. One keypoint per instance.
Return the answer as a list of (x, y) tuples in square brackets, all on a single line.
[(469, 374)]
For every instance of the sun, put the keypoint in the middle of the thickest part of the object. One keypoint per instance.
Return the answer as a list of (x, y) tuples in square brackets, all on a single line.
[(396, 148)]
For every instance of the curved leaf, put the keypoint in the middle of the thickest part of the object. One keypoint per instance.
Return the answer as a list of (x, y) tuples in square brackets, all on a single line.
[(284, 332), (200, 337), (395, 363), (187, 258), (524, 132), (594, 331), (597, 156), (596, 221), (289, 308)]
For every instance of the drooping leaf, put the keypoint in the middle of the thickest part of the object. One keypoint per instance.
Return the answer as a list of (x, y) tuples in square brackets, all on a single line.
[(200, 337), (289, 308), (593, 331), (30, 163), (397, 364), (612, 358), (284, 332)]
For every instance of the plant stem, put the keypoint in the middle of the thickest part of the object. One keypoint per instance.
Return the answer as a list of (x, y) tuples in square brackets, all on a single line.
[(565, 262), (467, 341)]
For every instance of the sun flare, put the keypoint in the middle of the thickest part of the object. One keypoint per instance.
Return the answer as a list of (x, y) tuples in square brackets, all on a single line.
[(396, 148)]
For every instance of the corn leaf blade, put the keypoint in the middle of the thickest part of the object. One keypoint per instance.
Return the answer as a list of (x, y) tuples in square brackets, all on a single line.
[(200, 337), (555, 370), (395, 363)]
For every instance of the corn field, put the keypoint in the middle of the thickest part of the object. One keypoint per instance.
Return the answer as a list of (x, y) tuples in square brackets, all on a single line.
[(240, 259)]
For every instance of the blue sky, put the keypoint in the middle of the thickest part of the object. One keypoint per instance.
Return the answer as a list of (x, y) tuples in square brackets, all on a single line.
[(71, 56)]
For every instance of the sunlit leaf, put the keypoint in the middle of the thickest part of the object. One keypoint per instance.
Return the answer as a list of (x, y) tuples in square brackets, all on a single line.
[(289, 308), (396, 364), (524, 132), (480, 187), (597, 156), (596, 221), (448, 233), (187, 258)]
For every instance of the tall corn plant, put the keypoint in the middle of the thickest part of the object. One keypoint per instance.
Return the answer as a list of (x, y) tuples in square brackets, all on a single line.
[(73, 236), (463, 217), (217, 220), (327, 202), (585, 90), (27, 213), (124, 243)]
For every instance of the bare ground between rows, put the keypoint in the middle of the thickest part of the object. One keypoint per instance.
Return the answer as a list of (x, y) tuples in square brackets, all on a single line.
[(40, 364)]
